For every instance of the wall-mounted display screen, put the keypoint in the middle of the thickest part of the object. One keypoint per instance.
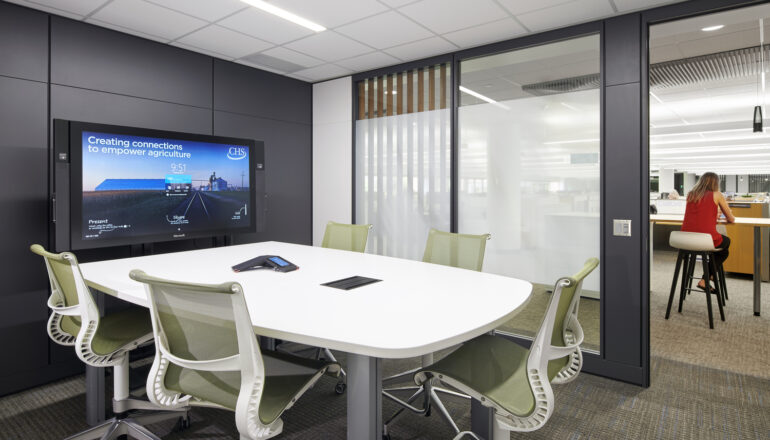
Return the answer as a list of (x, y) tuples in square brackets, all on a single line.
[(133, 185)]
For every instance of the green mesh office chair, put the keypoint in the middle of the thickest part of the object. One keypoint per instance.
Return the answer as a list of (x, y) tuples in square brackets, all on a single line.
[(207, 355), (344, 237), (101, 342), (465, 251), (513, 380)]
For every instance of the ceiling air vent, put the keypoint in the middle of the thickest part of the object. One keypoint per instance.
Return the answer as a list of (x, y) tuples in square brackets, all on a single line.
[(721, 66)]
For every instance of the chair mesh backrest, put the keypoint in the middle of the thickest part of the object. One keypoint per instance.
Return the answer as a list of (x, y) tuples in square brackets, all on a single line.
[(197, 325), (562, 313), (62, 273), (346, 237), (465, 251)]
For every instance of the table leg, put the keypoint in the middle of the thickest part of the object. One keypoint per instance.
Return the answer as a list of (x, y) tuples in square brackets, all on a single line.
[(757, 269), (94, 395), (482, 419), (364, 397)]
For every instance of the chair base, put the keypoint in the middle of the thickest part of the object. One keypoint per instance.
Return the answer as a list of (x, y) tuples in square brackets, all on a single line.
[(132, 426), (432, 400)]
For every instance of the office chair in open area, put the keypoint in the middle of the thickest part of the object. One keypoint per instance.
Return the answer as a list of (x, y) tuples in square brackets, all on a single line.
[(464, 251), (101, 342), (513, 380), (207, 355), (344, 237)]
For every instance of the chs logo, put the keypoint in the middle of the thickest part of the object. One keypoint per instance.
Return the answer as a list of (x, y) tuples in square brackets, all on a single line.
[(237, 153)]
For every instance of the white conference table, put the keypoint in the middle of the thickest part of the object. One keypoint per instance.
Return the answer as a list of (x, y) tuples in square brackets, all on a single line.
[(418, 308), (756, 223)]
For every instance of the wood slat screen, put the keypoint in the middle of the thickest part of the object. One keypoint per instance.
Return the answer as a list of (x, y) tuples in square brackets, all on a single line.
[(410, 91)]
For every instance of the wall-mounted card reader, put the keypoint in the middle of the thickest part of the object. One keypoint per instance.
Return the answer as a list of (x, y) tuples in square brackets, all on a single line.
[(621, 228)]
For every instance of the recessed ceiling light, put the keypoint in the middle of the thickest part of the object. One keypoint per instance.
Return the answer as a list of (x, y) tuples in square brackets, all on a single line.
[(713, 28), (483, 98), (286, 15)]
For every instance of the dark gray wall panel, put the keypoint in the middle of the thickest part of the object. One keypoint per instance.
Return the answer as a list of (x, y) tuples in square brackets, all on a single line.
[(91, 57), (23, 111), (288, 167), (107, 108), (23, 334), (240, 89), (622, 49), (23, 165), (23, 43), (622, 255)]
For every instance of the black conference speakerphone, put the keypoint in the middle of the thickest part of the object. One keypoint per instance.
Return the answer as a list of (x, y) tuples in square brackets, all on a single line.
[(266, 261)]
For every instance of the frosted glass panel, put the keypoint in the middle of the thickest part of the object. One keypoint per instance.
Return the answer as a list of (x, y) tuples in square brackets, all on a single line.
[(403, 158), (403, 180), (529, 171)]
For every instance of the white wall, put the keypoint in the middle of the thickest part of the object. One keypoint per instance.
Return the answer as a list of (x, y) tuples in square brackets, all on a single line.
[(666, 181), (743, 184), (332, 154), (689, 182), (730, 183)]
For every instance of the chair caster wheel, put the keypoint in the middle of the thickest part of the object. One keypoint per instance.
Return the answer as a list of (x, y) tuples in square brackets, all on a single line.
[(182, 423), (340, 387), (427, 413), (386, 437)]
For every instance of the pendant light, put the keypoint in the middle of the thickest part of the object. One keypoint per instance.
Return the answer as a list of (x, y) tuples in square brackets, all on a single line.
[(758, 121)]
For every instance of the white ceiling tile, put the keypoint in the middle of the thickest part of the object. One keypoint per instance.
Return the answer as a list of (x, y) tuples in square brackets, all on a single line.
[(331, 13), (275, 64), (329, 46), (220, 40), (517, 7), (78, 7), (322, 72), (635, 5), (199, 50), (442, 16), (259, 66), (578, 11), (397, 3), (293, 57), (385, 30), (54, 11), (422, 49), (148, 18), (369, 61), (265, 26), (125, 30), (486, 33), (204, 9)]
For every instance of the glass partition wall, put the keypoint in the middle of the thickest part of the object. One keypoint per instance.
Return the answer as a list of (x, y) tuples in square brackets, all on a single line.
[(403, 157), (529, 168)]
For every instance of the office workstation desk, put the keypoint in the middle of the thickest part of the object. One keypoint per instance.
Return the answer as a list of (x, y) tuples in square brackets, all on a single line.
[(417, 309), (747, 222)]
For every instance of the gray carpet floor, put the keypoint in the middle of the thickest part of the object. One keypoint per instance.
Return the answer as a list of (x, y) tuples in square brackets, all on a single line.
[(685, 401), (739, 344)]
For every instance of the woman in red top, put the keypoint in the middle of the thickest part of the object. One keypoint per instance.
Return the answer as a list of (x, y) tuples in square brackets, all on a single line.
[(703, 203)]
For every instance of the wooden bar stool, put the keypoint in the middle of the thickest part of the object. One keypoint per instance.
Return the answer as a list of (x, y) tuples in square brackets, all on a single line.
[(690, 246)]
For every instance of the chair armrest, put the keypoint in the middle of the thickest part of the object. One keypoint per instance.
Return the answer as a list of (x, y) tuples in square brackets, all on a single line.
[(66, 311), (556, 352), (230, 363)]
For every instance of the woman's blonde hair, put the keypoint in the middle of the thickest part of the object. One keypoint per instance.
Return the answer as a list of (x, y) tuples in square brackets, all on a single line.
[(707, 182)]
